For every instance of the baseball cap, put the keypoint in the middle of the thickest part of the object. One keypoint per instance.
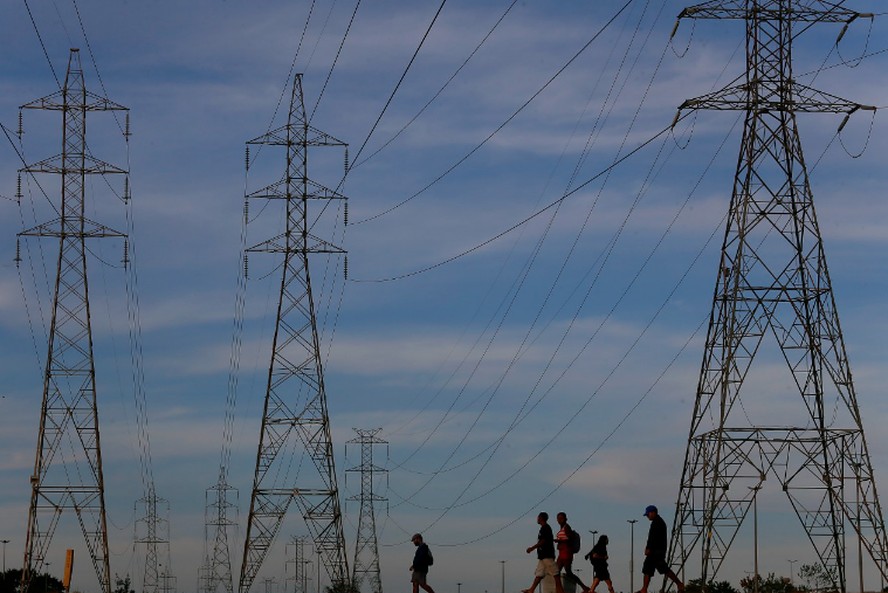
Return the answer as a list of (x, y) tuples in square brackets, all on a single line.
[(650, 508)]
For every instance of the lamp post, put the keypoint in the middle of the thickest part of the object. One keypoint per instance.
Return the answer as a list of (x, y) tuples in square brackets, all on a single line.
[(755, 535), (4, 542), (632, 523), (791, 577), (503, 576), (458, 587)]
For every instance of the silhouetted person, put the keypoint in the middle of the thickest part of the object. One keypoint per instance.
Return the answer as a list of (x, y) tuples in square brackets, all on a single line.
[(422, 559), (545, 549), (655, 551)]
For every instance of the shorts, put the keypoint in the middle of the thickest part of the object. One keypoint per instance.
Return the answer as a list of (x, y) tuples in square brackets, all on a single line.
[(418, 577), (546, 567), (652, 563), (602, 573)]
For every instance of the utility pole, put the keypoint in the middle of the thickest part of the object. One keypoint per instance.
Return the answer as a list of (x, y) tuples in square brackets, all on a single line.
[(295, 422), (68, 473), (366, 566), (632, 523), (773, 297)]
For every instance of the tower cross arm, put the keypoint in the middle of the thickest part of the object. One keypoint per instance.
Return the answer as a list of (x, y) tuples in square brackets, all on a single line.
[(801, 98), (59, 101), (798, 10)]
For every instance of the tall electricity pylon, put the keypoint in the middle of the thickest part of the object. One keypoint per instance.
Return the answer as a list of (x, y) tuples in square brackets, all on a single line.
[(366, 566), (799, 432), (295, 424), (68, 467)]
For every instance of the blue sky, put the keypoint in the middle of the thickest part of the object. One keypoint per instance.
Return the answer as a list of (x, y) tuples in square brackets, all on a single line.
[(600, 329)]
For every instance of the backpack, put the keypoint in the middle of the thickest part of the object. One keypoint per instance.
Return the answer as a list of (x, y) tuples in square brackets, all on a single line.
[(573, 542)]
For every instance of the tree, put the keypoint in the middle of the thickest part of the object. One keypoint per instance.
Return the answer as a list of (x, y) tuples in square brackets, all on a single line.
[(122, 585), (818, 578), (771, 584), (698, 586), (342, 587)]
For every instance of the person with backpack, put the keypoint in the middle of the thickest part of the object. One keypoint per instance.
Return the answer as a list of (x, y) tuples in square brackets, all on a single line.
[(598, 557), (568, 542), (422, 559)]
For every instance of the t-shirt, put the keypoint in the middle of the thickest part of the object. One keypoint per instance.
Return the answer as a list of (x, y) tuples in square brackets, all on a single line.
[(546, 549), (657, 538), (421, 558), (562, 541)]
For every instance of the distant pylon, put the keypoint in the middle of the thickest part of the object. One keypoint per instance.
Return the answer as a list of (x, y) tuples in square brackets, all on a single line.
[(366, 566), (68, 467), (154, 534), (296, 558), (800, 432), (295, 423), (219, 508)]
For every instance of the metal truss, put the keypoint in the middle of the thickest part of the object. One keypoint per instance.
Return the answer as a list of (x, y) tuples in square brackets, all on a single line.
[(773, 296), (366, 566), (295, 422), (68, 467)]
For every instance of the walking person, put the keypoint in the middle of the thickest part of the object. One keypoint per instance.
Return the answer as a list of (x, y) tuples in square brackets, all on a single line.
[(545, 549), (565, 543), (598, 557), (422, 559), (655, 551)]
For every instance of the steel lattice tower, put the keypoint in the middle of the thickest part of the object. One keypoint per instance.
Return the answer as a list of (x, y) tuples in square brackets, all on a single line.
[(295, 421), (68, 467), (155, 532), (773, 297), (366, 566), (217, 567)]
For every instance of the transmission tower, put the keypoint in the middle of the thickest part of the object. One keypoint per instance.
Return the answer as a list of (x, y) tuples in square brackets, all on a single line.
[(295, 424), (217, 567), (800, 433), (154, 531), (296, 558), (366, 567), (68, 467)]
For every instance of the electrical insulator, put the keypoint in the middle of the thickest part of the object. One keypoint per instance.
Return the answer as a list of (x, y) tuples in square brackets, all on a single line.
[(126, 133), (346, 159), (345, 214), (345, 267), (18, 188), (246, 211), (20, 130), (18, 253), (247, 157), (246, 266), (126, 253), (126, 190)]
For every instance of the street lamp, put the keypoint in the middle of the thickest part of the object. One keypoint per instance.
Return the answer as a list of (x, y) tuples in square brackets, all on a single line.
[(503, 576), (632, 523), (4, 542), (458, 587), (755, 534), (791, 577)]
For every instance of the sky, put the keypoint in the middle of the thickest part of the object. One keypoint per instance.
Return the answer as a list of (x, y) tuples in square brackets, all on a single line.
[(551, 367)]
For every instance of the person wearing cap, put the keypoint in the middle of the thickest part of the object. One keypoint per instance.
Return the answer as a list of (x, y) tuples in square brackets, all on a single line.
[(545, 549), (422, 559), (655, 551)]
